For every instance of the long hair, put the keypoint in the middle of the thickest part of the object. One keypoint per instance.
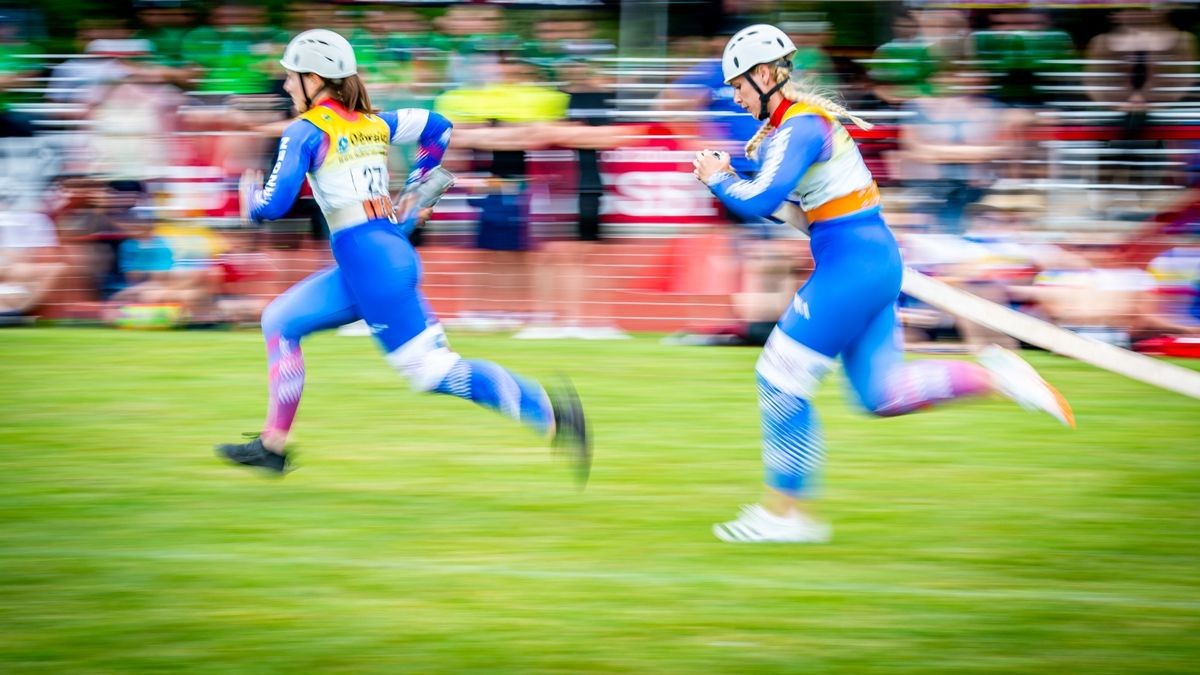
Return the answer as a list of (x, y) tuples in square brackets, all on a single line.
[(808, 92), (351, 93)]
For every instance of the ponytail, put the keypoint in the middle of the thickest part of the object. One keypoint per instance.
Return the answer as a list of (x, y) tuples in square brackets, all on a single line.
[(351, 93), (808, 93)]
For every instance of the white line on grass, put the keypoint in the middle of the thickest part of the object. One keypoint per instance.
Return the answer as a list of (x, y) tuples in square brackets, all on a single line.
[(635, 578)]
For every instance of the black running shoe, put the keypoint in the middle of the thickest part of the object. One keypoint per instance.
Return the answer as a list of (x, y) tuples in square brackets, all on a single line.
[(254, 453), (570, 431)]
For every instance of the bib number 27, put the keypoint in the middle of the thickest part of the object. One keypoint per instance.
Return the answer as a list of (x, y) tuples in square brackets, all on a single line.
[(375, 178)]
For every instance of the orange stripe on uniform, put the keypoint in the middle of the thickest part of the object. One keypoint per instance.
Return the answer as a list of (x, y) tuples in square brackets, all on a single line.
[(378, 207), (846, 205)]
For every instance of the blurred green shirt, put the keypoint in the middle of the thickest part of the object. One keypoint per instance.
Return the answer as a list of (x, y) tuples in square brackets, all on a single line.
[(13, 61), (237, 59), (168, 45)]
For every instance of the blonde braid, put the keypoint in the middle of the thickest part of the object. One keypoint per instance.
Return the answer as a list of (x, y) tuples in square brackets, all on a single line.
[(808, 93), (811, 93), (757, 139)]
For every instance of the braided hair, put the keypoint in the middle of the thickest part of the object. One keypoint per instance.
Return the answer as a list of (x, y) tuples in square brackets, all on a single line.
[(807, 93)]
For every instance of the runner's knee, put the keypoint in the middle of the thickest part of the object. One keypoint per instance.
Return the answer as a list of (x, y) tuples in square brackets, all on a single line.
[(792, 367), (425, 360)]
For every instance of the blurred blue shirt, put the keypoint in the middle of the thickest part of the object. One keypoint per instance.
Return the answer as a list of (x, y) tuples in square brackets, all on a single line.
[(730, 122)]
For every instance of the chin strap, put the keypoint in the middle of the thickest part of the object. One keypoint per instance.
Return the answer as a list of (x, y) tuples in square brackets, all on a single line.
[(764, 96), (307, 98), (308, 102)]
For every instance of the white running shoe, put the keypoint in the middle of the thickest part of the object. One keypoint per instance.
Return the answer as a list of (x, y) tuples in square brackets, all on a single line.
[(1017, 380), (757, 525)]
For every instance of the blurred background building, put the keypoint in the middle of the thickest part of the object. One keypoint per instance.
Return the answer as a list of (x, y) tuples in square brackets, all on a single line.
[(1042, 154)]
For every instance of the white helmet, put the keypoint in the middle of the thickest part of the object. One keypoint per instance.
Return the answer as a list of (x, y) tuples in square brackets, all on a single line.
[(320, 51), (750, 46)]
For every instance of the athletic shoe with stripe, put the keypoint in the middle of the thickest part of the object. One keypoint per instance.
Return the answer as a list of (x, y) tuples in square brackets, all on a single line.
[(757, 525), (1017, 380)]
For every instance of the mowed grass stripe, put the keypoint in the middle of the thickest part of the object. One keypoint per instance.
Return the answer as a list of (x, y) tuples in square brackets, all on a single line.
[(423, 535)]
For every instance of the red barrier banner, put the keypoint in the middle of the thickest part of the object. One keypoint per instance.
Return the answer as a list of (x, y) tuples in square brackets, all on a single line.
[(652, 183)]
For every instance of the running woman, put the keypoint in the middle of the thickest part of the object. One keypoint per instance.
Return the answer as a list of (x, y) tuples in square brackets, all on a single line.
[(342, 145), (847, 307)]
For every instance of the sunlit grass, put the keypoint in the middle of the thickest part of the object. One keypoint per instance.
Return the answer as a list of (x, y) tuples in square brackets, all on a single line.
[(423, 535)]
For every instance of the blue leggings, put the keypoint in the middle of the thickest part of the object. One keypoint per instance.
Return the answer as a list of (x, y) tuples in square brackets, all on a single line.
[(377, 279), (847, 308)]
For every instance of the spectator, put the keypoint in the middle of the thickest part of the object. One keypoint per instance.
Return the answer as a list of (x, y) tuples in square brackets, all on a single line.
[(1141, 61), (417, 52), (727, 126), (101, 216), (477, 39), (563, 282), (1093, 292), (770, 275), (15, 69), (947, 30), (810, 32), (237, 49), (501, 121), (25, 278), (132, 117), (983, 263), (948, 146), (901, 68), (1141, 64), (165, 24), (84, 79), (172, 277), (1020, 49), (1177, 273)]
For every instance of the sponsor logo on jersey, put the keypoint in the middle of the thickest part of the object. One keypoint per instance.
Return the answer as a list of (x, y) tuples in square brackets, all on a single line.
[(270, 187), (359, 137), (800, 306)]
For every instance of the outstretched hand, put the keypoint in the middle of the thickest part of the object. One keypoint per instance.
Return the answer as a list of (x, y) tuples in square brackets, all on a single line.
[(407, 206), (405, 202), (710, 162)]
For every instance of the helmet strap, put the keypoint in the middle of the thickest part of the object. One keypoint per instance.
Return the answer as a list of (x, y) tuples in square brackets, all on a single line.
[(764, 96), (304, 90), (308, 99)]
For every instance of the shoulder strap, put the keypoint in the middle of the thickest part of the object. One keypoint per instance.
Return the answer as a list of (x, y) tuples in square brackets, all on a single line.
[(334, 125), (321, 118), (797, 109)]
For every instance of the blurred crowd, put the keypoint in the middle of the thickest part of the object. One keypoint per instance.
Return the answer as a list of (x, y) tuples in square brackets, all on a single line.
[(1041, 156)]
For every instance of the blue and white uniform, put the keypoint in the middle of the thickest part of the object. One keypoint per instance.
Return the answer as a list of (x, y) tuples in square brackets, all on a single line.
[(377, 272), (347, 166), (847, 306), (305, 148)]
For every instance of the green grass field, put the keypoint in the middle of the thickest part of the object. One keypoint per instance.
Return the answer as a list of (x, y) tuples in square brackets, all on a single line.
[(421, 534)]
